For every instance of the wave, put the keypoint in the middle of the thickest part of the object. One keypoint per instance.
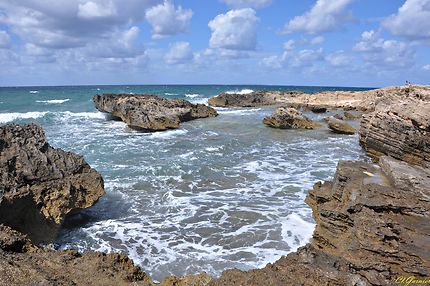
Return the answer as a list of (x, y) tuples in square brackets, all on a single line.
[(96, 115), (53, 101), (8, 117), (168, 93), (193, 95), (33, 91), (243, 91), (168, 134), (238, 111)]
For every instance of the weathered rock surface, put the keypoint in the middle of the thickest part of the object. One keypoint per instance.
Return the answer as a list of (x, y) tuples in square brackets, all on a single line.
[(400, 130), (287, 117), (346, 100), (352, 116), (372, 227), (40, 185), (340, 126), (150, 112)]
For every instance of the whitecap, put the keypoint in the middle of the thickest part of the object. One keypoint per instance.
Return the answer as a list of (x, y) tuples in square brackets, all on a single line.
[(168, 134), (95, 115), (8, 117), (238, 111), (243, 91), (193, 95), (33, 91), (168, 93), (53, 101)]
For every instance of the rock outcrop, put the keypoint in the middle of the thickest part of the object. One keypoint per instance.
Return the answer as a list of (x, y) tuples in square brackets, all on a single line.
[(340, 126), (40, 185), (371, 229), (151, 112), (345, 100), (400, 130), (287, 117)]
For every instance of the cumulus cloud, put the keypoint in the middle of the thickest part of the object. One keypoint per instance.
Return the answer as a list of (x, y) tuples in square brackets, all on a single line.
[(317, 40), (324, 16), (179, 53), (237, 4), (289, 45), (426, 67), (339, 59), (91, 9), (166, 20), (4, 40), (377, 50), (411, 20), (235, 30)]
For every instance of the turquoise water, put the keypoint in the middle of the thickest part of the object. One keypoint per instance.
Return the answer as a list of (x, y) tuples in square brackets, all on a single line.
[(217, 193)]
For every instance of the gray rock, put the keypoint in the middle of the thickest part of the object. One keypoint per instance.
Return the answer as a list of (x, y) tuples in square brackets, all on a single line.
[(287, 117)]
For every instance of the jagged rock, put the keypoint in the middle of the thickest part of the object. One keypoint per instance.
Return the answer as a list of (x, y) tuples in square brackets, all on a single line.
[(400, 130), (151, 112), (256, 98), (318, 109), (339, 126), (40, 185), (287, 117), (371, 228)]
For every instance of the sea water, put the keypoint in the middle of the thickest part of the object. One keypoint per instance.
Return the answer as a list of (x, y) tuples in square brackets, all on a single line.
[(217, 193)]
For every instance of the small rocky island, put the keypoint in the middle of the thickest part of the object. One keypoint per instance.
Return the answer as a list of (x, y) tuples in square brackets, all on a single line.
[(151, 112)]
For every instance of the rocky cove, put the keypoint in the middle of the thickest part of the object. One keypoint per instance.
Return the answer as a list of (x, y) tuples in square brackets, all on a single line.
[(372, 219)]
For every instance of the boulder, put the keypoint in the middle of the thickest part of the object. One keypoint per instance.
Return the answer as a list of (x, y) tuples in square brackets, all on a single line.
[(340, 126), (151, 112), (352, 116), (40, 185), (287, 117), (400, 130)]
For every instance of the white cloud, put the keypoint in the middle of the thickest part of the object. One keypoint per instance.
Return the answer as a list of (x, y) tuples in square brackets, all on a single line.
[(167, 21), (317, 40), (237, 4), (289, 45), (4, 40), (235, 30), (377, 50), (272, 62), (179, 53), (426, 67), (412, 20), (339, 59), (324, 16), (91, 9)]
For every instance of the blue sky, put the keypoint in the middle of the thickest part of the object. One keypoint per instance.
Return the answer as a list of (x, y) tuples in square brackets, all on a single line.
[(283, 42)]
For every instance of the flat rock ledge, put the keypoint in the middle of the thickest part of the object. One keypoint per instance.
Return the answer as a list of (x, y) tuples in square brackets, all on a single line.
[(364, 101), (340, 126), (287, 117), (151, 112), (40, 185)]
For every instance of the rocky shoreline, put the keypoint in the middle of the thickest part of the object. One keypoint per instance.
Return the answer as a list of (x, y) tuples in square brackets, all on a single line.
[(372, 220)]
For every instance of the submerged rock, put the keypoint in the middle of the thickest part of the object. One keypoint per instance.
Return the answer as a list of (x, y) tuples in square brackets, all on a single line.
[(151, 112), (400, 130), (340, 126), (40, 185), (287, 117)]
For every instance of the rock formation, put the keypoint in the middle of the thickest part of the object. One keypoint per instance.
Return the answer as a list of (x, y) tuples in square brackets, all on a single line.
[(339, 126), (285, 118), (150, 112), (40, 185), (346, 100), (401, 130)]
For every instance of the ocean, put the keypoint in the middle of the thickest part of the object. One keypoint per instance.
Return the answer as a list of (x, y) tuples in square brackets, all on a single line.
[(217, 193)]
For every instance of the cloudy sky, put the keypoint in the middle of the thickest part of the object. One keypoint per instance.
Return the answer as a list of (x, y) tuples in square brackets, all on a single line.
[(284, 42)]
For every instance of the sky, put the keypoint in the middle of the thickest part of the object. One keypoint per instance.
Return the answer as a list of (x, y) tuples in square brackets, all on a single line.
[(363, 43)]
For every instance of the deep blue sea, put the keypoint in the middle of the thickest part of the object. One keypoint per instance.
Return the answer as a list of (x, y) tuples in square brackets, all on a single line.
[(216, 193)]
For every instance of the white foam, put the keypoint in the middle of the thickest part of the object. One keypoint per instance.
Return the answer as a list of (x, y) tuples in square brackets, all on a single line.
[(192, 95), (200, 101), (53, 101), (302, 231), (34, 91), (169, 93), (212, 149), (168, 134), (239, 111), (8, 117), (243, 91), (95, 115)]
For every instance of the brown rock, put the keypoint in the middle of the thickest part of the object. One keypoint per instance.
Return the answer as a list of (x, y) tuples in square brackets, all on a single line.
[(286, 117), (339, 126), (40, 185), (352, 116), (400, 130), (256, 98), (151, 112)]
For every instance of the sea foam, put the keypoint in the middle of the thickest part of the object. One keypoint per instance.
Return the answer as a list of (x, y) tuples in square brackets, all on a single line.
[(8, 117), (243, 91), (53, 101)]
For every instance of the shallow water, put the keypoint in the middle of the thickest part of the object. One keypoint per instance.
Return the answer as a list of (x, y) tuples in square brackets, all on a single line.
[(215, 194)]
